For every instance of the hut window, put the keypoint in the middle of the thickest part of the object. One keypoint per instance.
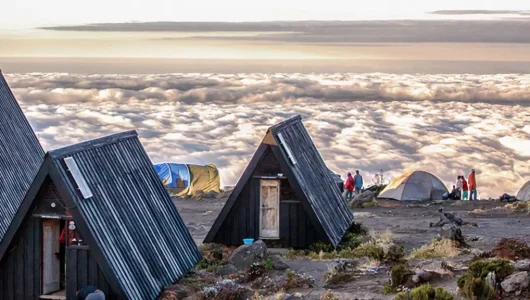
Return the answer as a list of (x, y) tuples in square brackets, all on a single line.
[(286, 148), (78, 177)]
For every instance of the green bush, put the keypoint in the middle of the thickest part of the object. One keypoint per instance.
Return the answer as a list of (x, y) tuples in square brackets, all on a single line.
[(472, 284), (426, 292), (369, 250), (399, 274), (395, 254)]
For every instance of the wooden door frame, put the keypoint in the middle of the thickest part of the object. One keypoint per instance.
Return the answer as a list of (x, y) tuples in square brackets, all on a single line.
[(43, 220), (261, 209)]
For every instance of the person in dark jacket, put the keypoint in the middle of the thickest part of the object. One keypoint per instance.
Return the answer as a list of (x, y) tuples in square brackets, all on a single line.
[(349, 186), (90, 293)]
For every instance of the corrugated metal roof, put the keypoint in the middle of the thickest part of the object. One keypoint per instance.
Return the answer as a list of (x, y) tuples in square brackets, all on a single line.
[(314, 178), (21, 155), (130, 215)]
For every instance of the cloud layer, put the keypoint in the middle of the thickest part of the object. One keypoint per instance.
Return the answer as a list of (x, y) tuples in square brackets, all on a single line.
[(341, 32), (446, 124)]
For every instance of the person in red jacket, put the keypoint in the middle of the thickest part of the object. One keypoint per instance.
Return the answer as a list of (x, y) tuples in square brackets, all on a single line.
[(349, 186), (471, 180), (465, 188)]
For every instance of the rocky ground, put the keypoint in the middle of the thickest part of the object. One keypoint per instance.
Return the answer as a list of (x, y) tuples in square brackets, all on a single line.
[(408, 224)]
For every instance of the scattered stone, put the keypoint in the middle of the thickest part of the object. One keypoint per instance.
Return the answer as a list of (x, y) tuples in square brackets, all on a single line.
[(207, 213), (246, 255), (516, 282), (226, 270), (227, 289), (176, 291), (438, 268), (280, 265), (522, 265)]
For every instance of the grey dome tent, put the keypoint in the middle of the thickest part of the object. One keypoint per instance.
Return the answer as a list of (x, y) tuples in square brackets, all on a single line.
[(524, 192), (415, 186)]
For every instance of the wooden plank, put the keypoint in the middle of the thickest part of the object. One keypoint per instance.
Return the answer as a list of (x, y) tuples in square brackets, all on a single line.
[(29, 266), (82, 267), (293, 221), (71, 273), (300, 227), (19, 265), (1, 279), (251, 212), (102, 282), (284, 224), (9, 286), (93, 270), (37, 255)]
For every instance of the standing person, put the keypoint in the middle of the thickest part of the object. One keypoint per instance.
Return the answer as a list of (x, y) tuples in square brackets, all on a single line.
[(348, 186), (358, 182), (465, 188), (459, 186), (472, 182)]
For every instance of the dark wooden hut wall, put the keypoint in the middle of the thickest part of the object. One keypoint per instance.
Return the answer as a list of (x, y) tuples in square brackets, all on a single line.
[(296, 229), (82, 270), (20, 266), (47, 195)]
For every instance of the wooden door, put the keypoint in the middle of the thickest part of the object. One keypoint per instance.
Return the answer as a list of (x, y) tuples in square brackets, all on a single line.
[(270, 209), (51, 263)]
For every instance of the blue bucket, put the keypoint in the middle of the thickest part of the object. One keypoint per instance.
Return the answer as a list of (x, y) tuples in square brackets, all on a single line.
[(248, 241)]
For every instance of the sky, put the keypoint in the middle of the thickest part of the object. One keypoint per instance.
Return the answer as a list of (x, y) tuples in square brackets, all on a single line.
[(30, 13), (436, 85)]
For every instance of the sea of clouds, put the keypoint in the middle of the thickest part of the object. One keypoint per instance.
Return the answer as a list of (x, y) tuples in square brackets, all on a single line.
[(445, 124)]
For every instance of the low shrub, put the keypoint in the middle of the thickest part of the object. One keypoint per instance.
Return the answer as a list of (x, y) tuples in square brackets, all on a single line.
[(425, 292)]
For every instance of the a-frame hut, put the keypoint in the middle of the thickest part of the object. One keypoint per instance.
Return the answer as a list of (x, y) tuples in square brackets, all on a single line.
[(286, 195), (96, 214), (20, 156)]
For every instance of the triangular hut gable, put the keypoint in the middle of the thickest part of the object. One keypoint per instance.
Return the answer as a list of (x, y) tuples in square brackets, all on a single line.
[(122, 211), (20, 156), (302, 165)]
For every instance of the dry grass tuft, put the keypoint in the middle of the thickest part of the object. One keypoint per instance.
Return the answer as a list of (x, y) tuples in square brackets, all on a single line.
[(522, 207), (436, 249), (329, 296)]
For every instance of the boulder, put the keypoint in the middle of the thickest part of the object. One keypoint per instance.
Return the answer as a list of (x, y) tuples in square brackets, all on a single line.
[(365, 197), (226, 270), (280, 265), (421, 276), (452, 232), (246, 255), (516, 282), (522, 265)]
